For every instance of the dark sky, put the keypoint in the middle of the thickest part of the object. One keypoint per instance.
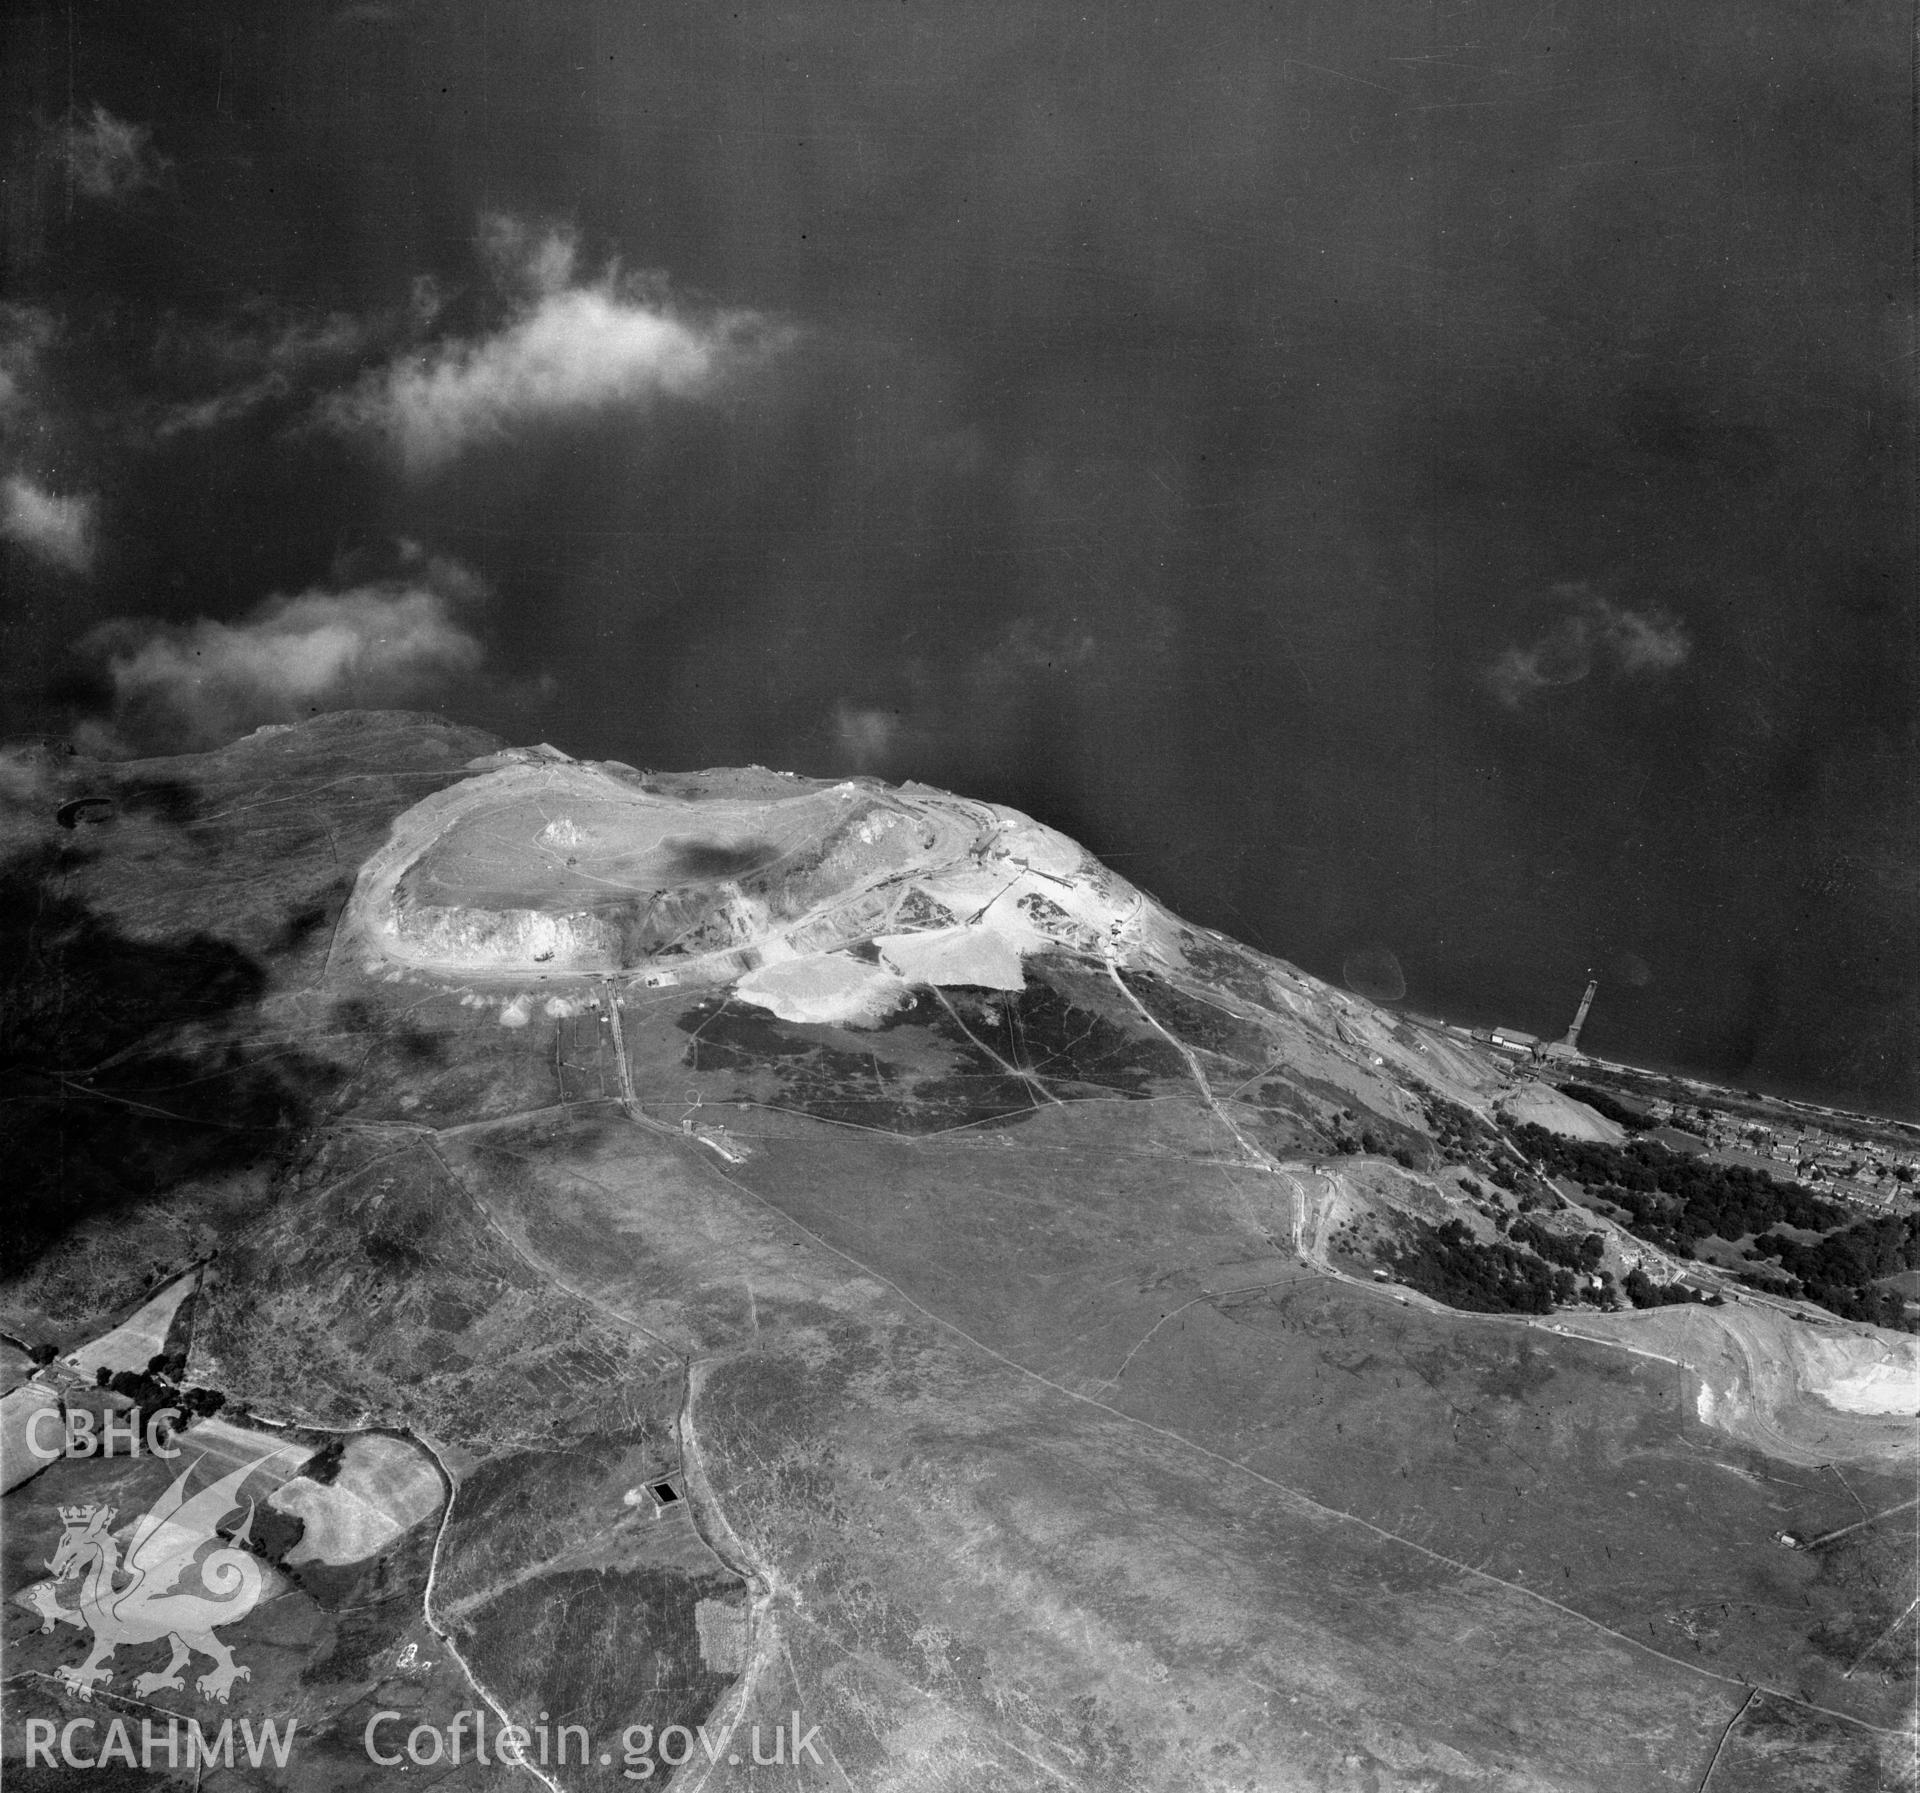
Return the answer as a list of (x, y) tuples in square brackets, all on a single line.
[(1429, 480)]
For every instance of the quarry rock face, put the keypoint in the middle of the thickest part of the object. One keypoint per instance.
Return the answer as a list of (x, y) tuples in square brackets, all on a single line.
[(787, 1256), (553, 868)]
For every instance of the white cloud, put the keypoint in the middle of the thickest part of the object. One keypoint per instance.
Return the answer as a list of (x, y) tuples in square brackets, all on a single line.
[(223, 407), (524, 259), (24, 332), (57, 529), (1560, 657), (1590, 633), (262, 334), (389, 643), (569, 349), (263, 353), (1645, 641), (107, 157)]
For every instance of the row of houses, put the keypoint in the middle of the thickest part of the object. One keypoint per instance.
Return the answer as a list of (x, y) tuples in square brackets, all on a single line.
[(1871, 1173), (1863, 1170)]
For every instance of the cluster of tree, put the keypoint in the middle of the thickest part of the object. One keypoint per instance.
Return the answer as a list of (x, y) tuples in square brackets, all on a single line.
[(1350, 1143), (1461, 1135), (1643, 1291), (324, 1465), (1653, 1217), (1350, 1136), (1582, 1254), (1449, 1264), (159, 1385), (1730, 1200), (1840, 1271), (1674, 1201), (1464, 1138)]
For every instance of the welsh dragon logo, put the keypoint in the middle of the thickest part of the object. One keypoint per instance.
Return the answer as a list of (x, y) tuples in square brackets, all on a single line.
[(137, 1601)]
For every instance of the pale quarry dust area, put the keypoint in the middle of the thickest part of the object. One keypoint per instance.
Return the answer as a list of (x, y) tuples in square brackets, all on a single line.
[(1548, 1107)]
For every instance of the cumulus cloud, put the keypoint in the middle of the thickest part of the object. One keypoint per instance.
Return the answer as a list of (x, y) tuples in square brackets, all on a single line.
[(524, 259), (106, 157), (262, 335), (568, 348), (392, 642), (1645, 641), (57, 529), (1589, 633), (24, 332), (264, 354), (222, 408)]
